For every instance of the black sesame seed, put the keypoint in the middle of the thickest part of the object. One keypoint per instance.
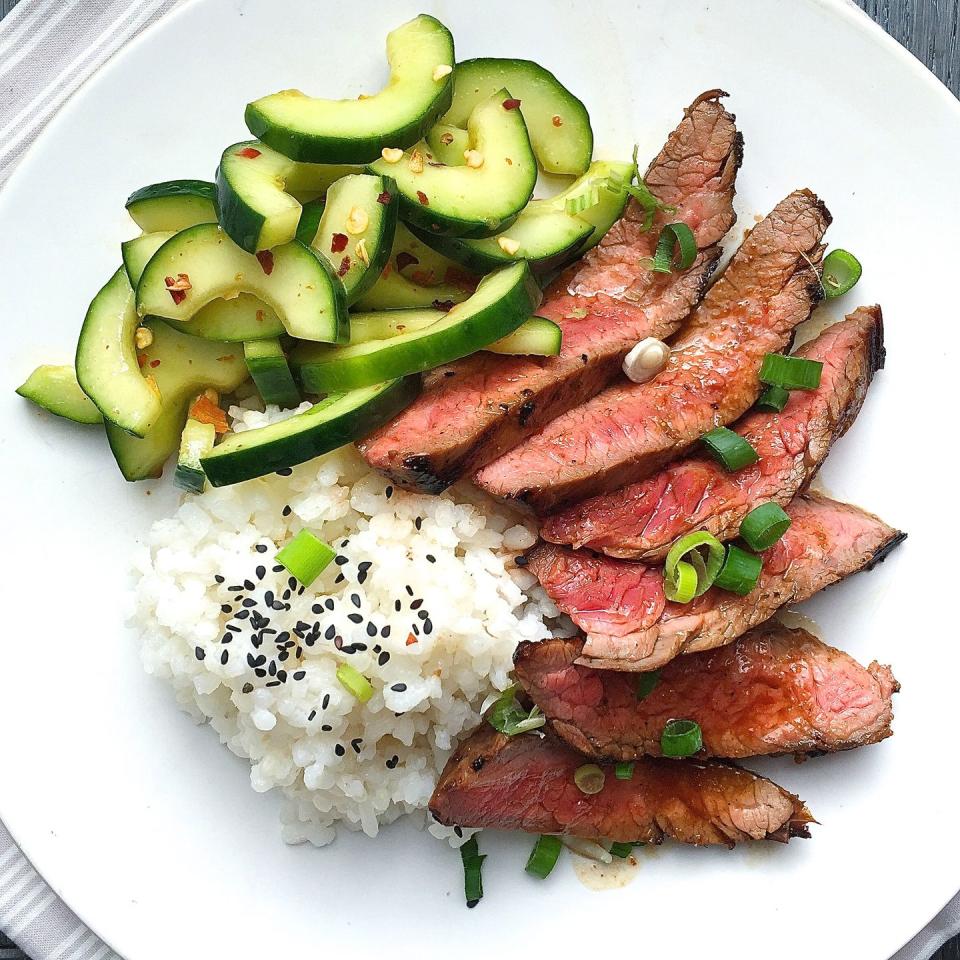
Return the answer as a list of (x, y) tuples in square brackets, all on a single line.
[(329, 604), (389, 492), (272, 668), (416, 605), (521, 561), (377, 648), (268, 598), (227, 638), (283, 636), (224, 657), (325, 702), (340, 578), (235, 588), (423, 615), (261, 572), (397, 605), (356, 743), (299, 652), (282, 676), (409, 590), (277, 605), (340, 559), (286, 511), (339, 750), (344, 544), (316, 608), (311, 715), (458, 831), (247, 688), (418, 523), (251, 660), (415, 629), (338, 642), (286, 595), (200, 652), (362, 577), (241, 615), (233, 628), (277, 567), (283, 656), (249, 602), (260, 672), (248, 585), (399, 687), (383, 658), (330, 632), (371, 629), (431, 558), (261, 548), (238, 598), (359, 646), (226, 608), (301, 590), (355, 600), (393, 761), (300, 674), (355, 618), (326, 728), (218, 578), (273, 683), (428, 625), (284, 472), (385, 632)]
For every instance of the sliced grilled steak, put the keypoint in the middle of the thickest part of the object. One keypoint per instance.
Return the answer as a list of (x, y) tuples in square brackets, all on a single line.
[(526, 783), (630, 625), (475, 409), (630, 430), (774, 690), (641, 520)]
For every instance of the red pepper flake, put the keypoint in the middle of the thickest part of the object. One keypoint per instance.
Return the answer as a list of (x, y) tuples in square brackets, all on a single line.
[(338, 242), (460, 278), (424, 277), (511, 104), (405, 260), (178, 296), (557, 121), (266, 261), (411, 639), (249, 152), (141, 359), (154, 363), (178, 288), (344, 267), (444, 305), (204, 410), (259, 316), (422, 197), (384, 198)]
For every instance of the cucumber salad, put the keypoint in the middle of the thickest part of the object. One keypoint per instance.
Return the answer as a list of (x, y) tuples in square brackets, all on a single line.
[(347, 249)]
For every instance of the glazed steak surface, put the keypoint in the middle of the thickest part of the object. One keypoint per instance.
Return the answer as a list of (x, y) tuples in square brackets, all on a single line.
[(773, 690), (527, 783), (641, 521), (630, 430), (630, 625), (473, 410)]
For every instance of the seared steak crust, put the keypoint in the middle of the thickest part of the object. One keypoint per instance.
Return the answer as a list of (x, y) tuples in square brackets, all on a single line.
[(643, 519), (774, 690), (473, 410), (630, 430), (526, 783)]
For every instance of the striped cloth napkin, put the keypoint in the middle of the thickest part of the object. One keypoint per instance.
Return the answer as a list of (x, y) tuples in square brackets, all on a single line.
[(48, 48)]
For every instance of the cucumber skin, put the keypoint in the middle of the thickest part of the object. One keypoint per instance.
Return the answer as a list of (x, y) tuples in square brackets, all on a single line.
[(271, 373), (189, 478), (260, 460), (242, 224), (174, 188)]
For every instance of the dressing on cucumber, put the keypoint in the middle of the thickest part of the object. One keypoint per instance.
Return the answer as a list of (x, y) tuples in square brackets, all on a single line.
[(470, 201), (271, 373), (355, 131), (196, 441), (56, 389), (173, 205), (448, 144)]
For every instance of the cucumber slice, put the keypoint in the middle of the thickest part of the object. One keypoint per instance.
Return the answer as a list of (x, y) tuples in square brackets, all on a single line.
[(310, 217), (56, 389), (558, 122), (202, 264), (501, 303), (106, 363), (331, 423), (357, 229), (448, 144), (416, 276), (254, 186), (271, 373), (536, 337), (470, 201), (173, 205), (609, 177), (196, 441), (383, 324), (186, 367), (355, 131)]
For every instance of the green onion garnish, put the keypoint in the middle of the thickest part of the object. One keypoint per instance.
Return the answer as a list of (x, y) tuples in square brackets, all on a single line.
[(674, 234), (774, 399), (641, 193), (623, 770), (306, 557), (680, 586), (763, 526), (355, 682), (703, 551), (472, 863), (588, 197), (791, 373), (589, 778), (740, 571), (681, 738), (544, 855), (841, 271), (508, 717), (647, 683), (730, 448), (621, 850)]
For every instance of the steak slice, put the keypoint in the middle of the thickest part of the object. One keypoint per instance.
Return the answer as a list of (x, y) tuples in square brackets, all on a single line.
[(475, 409), (630, 625), (774, 690), (630, 430), (526, 783), (643, 519)]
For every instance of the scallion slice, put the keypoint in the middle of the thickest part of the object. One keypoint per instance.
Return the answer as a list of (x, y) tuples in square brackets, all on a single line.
[(508, 717), (589, 778), (674, 235), (588, 197), (730, 448), (544, 855), (355, 682), (740, 571), (791, 373), (306, 556), (681, 585), (647, 683), (472, 863), (681, 738), (641, 193), (773, 399), (624, 770), (703, 551), (621, 850), (763, 526), (841, 271)]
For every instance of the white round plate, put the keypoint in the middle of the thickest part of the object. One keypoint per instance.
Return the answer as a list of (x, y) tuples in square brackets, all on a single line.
[(148, 828)]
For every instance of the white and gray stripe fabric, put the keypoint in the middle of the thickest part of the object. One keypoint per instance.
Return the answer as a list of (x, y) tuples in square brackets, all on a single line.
[(48, 48)]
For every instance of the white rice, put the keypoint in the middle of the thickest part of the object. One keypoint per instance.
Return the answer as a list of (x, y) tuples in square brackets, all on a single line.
[(339, 762)]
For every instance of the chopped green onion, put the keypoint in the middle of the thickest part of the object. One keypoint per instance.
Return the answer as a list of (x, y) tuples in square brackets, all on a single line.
[(641, 193), (508, 717), (623, 770), (355, 682), (544, 856), (730, 448), (674, 234), (841, 271), (774, 399), (680, 586), (472, 863), (791, 373), (690, 549), (763, 526), (647, 683), (740, 571), (681, 738), (589, 778), (588, 197), (621, 850), (306, 557)]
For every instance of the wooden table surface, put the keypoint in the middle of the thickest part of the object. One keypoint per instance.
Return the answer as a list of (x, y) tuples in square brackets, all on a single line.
[(930, 29)]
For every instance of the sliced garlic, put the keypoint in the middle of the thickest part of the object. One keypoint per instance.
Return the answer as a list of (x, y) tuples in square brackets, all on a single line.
[(143, 337), (646, 360), (392, 154), (474, 158), (357, 220), (416, 162), (442, 70), (508, 246)]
